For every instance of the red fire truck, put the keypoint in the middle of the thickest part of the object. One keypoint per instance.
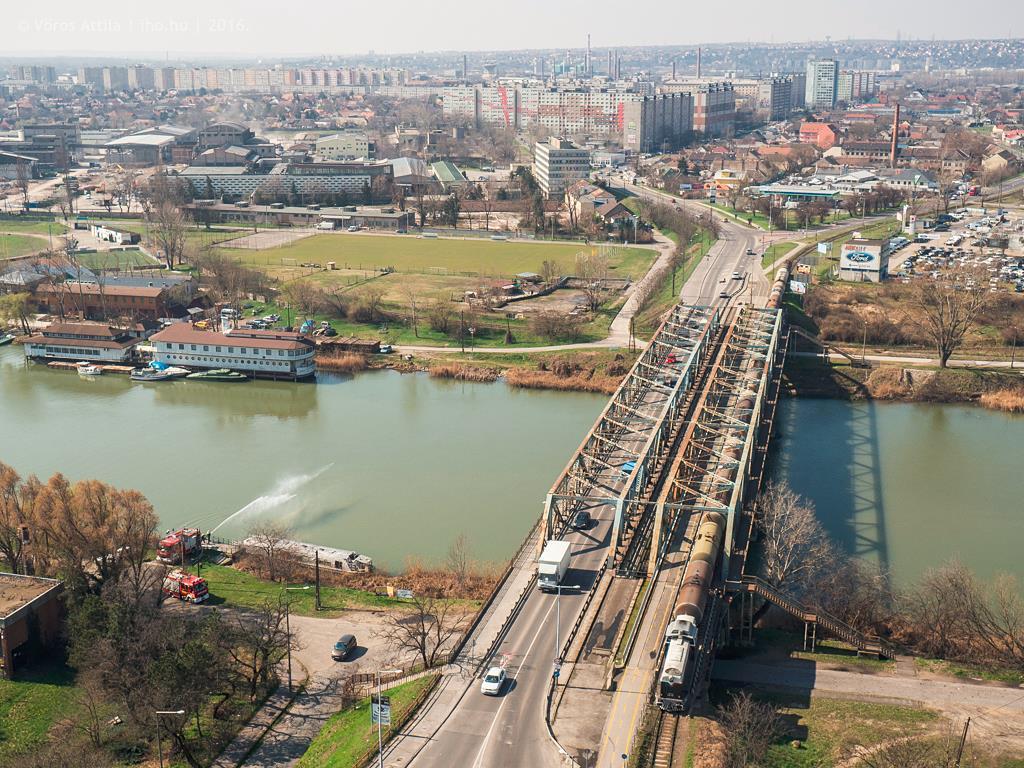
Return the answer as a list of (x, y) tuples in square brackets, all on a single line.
[(187, 542), (185, 586)]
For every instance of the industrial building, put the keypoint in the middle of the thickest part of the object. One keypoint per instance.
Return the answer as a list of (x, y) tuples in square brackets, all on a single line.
[(864, 260), (31, 620), (347, 145)]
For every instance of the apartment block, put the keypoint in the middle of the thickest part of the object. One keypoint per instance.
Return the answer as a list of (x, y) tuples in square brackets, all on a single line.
[(557, 163)]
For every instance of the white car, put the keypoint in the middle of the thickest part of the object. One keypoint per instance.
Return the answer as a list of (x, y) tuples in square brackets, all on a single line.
[(493, 682)]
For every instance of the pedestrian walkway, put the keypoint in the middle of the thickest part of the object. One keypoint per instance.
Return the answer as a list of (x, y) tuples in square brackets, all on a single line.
[(246, 738)]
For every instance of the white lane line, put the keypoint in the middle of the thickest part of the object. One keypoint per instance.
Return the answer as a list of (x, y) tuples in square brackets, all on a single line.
[(487, 736)]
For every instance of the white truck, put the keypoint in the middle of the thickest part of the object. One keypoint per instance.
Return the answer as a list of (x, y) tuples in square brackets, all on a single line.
[(553, 563)]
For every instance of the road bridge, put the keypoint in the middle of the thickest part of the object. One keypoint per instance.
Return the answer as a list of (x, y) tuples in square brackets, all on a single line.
[(615, 475)]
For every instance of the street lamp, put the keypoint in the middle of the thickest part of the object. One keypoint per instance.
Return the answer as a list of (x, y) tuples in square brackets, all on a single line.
[(288, 629), (380, 727), (159, 745)]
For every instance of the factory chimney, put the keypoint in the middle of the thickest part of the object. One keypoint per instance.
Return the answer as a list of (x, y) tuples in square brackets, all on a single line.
[(698, 63), (587, 65), (673, 69), (465, 67), (895, 136)]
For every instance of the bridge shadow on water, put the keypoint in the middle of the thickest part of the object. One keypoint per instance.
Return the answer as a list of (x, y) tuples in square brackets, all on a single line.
[(829, 453)]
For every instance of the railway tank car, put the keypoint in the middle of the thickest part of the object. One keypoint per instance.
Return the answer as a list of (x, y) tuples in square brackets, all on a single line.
[(778, 287), (681, 636)]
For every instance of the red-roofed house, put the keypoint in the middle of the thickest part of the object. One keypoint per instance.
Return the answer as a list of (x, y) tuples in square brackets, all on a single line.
[(821, 135)]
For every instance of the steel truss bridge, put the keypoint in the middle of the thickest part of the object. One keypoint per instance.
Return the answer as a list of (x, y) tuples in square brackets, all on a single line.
[(618, 458)]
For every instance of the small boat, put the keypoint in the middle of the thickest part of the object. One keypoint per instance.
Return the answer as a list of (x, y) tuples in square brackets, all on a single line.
[(88, 369), (158, 373), (218, 374), (5, 338)]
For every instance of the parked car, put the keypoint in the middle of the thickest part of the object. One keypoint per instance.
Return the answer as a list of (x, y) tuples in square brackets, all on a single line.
[(581, 520), (386, 349), (344, 647), (493, 682)]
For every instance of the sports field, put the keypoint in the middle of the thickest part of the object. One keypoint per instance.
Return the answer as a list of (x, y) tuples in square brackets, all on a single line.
[(115, 259), (410, 253), (12, 246)]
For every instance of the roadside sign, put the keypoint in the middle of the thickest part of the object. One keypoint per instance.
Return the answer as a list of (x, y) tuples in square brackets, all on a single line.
[(380, 710), (824, 247), (405, 594)]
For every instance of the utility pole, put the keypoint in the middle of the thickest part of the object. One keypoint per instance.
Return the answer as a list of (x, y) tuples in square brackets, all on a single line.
[(316, 566), (963, 742)]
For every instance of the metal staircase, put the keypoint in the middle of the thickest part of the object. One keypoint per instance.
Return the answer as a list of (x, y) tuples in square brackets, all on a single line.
[(864, 643)]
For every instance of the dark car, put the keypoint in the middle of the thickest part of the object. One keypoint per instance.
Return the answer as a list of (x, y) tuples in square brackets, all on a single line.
[(581, 520), (344, 647)]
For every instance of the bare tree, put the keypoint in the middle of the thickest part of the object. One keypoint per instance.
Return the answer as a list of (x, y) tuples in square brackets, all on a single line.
[(459, 561), (267, 542), (168, 226), (256, 641), (945, 310), (304, 296), (412, 299), (440, 313), (124, 189), (751, 727), (592, 271), (368, 303), (794, 546), (427, 630), (17, 500), (23, 180)]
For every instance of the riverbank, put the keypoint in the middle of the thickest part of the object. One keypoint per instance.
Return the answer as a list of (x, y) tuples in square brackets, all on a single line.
[(995, 389), (597, 371)]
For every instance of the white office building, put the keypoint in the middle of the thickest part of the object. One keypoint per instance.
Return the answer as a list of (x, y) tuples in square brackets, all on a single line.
[(822, 83), (557, 163)]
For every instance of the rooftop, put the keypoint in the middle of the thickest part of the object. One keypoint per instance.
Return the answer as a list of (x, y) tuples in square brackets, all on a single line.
[(18, 591), (182, 333)]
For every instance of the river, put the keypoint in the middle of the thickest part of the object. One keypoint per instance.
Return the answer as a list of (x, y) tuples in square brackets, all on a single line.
[(387, 464), (395, 465), (908, 485)]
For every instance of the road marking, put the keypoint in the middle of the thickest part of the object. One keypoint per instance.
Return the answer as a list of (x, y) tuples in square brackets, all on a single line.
[(494, 722)]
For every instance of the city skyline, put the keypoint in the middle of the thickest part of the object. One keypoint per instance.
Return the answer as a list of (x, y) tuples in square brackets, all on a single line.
[(191, 29)]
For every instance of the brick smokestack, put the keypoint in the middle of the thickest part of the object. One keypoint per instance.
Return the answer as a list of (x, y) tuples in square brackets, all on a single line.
[(895, 136)]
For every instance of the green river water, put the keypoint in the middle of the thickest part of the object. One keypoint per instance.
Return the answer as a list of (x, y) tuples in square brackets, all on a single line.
[(396, 465)]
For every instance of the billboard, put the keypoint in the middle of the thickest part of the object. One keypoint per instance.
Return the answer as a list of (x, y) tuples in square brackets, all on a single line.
[(861, 257)]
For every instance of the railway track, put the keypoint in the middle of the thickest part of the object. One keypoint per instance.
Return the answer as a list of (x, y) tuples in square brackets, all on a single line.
[(672, 742)]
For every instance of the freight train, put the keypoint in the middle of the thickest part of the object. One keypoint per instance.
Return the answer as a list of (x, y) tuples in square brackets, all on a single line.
[(778, 287), (681, 638)]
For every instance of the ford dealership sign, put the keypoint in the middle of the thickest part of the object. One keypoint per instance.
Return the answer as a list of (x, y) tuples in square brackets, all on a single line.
[(859, 257)]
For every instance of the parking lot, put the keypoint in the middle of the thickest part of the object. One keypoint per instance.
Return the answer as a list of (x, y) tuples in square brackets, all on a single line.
[(983, 248)]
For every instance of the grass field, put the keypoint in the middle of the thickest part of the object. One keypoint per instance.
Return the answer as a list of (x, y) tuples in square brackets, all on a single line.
[(237, 588), (115, 259), (35, 227), (30, 706), (12, 246), (649, 317), (774, 252), (413, 254), (827, 729), (347, 735)]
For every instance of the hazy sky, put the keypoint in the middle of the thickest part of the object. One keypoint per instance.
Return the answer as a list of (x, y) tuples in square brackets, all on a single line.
[(256, 27)]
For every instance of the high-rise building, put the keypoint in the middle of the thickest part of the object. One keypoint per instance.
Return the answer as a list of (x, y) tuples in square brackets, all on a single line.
[(657, 123), (557, 163), (115, 79), (822, 83)]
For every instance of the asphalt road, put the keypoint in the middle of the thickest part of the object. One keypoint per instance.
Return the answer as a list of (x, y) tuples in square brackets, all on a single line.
[(510, 730)]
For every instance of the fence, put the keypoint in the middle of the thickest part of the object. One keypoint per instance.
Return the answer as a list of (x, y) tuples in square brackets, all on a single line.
[(371, 751)]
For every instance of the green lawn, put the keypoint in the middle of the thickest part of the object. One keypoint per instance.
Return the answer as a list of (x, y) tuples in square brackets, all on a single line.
[(1013, 676), (115, 259), (413, 254), (30, 706), (12, 246), (238, 588), (347, 735), (826, 729), (34, 226), (775, 252), (758, 220)]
